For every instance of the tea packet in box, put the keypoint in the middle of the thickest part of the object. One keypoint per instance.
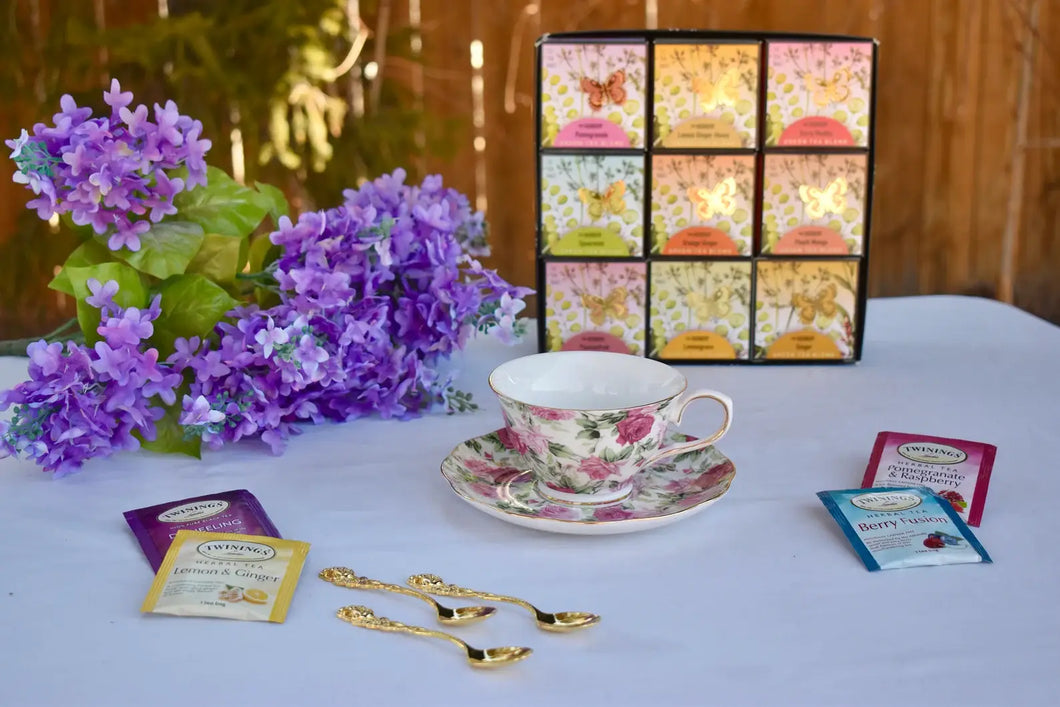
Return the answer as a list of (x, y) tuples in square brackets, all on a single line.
[(956, 469), (235, 511), (227, 575), (894, 527)]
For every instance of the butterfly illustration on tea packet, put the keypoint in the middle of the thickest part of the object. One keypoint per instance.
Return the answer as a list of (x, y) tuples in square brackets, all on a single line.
[(822, 303), (831, 199), (722, 92), (610, 200), (613, 306), (826, 91), (707, 307), (610, 91), (721, 199)]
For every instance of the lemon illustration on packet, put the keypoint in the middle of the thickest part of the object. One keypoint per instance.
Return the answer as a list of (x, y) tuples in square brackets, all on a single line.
[(227, 575)]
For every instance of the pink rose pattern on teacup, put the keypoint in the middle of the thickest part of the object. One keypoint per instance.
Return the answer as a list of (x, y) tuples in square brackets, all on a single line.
[(634, 428), (580, 451), (486, 470), (597, 468)]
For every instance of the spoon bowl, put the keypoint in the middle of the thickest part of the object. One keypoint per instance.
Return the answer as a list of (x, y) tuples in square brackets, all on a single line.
[(464, 614), (559, 622), (496, 657), (566, 620), (480, 658)]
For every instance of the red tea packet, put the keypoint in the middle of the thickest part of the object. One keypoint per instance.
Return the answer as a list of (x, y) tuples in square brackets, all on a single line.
[(956, 469), (225, 512)]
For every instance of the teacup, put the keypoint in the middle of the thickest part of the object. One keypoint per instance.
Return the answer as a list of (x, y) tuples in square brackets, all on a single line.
[(588, 421)]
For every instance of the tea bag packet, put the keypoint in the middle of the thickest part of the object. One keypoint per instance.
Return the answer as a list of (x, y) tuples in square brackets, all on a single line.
[(235, 511), (227, 575), (956, 469), (895, 527)]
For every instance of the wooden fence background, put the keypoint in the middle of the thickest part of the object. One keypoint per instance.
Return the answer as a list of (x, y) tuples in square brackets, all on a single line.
[(968, 126)]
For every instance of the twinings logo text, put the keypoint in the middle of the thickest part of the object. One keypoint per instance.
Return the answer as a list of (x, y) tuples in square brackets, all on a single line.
[(929, 453), (886, 501), (236, 550), (193, 511)]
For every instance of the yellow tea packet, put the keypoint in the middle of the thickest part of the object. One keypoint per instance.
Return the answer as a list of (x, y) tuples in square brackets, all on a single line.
[(227, 575)]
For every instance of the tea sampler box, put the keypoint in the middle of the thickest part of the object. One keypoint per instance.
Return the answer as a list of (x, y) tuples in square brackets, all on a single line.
[(705, 196)]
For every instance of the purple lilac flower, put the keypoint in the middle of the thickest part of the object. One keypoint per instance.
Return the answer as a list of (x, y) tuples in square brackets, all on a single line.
[(80, 403), (102, 294), (199, 412), (376, 295), (112, 173)]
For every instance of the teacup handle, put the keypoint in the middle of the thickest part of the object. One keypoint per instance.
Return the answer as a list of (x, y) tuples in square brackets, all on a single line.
[(726, 403)]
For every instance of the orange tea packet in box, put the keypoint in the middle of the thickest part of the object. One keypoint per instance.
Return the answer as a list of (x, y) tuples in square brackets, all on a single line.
[(227, 575)]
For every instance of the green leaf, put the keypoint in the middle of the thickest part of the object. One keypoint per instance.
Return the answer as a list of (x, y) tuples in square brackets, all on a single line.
[(191, 306), (278, 205), (561, 451), (166, 249), (131, 292), (88, 253), (262, 253), (169, 435), (223, 206), (218, 258), (244, 254)]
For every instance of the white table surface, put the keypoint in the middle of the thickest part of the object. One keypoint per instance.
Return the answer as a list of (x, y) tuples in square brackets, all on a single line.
[(757, 601)]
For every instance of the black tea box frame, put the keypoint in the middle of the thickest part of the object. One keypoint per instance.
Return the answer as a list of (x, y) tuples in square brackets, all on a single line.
[(705, 197)]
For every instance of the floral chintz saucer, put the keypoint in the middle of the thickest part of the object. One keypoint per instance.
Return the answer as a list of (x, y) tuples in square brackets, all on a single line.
[(496, 480)]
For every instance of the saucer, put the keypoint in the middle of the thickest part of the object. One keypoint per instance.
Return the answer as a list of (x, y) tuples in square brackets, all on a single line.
[(496, 480)]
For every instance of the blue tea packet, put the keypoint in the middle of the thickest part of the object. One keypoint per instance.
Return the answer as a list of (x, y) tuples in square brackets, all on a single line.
[(894, 527)]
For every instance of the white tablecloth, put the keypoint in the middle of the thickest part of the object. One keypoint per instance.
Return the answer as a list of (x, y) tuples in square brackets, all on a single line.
[(759, 600)]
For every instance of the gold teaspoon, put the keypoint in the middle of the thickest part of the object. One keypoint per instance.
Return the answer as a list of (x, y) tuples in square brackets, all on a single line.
[(488, 658), (345, 577), (559, 622)]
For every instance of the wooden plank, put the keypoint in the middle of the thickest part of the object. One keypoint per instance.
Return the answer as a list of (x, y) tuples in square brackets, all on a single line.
[(447, 90), (567, 16), (901, 108), (999, 79), (1038, 256), (950, 145), (508, 34)]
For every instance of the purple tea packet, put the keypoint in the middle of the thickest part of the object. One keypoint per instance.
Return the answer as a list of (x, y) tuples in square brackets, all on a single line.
[(234, 511)]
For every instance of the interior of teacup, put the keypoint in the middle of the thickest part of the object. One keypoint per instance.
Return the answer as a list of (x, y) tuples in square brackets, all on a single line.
[(586, 380)]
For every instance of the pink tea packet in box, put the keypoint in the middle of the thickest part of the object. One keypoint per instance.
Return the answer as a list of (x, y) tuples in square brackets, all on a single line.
[(956, 469), (235, 511)]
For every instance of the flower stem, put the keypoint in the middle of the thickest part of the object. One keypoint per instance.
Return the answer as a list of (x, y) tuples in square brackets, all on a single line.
[(66, 332)]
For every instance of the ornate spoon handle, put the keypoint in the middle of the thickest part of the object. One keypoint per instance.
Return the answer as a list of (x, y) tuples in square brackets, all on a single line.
[(345, 577), (433, 584), (489, 658), (364, 617)]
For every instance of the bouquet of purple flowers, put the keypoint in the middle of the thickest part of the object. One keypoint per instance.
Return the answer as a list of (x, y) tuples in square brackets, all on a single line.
[(195, 333)]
